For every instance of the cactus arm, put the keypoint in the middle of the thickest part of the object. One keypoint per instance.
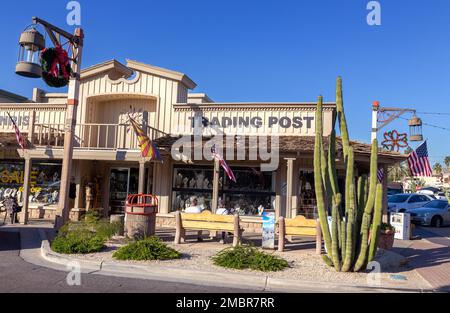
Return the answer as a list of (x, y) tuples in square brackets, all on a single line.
[(335, 232), (376, 225), (350, 206), (367, 216), (332, 172), (318, 182), (343, 240), (341, 116)]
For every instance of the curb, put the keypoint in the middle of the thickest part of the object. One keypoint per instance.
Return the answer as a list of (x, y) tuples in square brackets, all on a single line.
[(206, 278)]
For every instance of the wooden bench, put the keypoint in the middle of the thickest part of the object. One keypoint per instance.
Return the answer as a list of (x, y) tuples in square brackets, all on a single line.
[(299, 226), (207, 221)]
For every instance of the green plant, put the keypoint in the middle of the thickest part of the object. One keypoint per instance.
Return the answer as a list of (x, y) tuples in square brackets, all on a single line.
[(84, 237), (387, 228), (148, 249), (247, 257), (358, 214), (78, 242)]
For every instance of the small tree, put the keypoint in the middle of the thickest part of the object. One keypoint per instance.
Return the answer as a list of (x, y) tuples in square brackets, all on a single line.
[(447, 161), (437, 168)]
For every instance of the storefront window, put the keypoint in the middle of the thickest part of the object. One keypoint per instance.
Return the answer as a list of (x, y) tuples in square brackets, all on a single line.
[(191, 182), (250, 195), (45, 181)]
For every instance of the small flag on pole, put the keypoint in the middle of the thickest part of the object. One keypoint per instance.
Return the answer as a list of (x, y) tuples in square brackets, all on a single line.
[(418, 162), (20, 139), (148, 148), (223, 163)]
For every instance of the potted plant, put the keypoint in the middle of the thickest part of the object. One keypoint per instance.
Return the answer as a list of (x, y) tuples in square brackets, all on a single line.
[(387, 236)]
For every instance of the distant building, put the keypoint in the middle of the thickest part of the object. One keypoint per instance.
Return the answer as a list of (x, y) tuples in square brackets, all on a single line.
[(9, 97)]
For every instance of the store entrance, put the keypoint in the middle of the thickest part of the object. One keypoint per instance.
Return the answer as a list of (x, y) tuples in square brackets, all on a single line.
[(123, 182)]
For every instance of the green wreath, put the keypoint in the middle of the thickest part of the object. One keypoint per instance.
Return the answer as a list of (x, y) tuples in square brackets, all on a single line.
[(48, 57)]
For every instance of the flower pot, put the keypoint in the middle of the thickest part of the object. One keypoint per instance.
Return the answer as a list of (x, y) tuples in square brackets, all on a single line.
[(386, 240)]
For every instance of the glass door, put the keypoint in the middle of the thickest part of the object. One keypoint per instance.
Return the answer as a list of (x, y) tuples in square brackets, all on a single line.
[(118, 190)]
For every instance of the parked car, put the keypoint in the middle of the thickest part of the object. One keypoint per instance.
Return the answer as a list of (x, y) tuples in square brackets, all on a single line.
[(441, 196), (435, 213), (402, 202)]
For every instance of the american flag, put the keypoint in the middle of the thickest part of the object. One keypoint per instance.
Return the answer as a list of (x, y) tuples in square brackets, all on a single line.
[(418, 162), (380, 175), (216, 156), (20, 140)]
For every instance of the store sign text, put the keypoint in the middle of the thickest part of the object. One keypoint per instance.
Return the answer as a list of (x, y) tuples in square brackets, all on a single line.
[(20, 121), (257, 122)]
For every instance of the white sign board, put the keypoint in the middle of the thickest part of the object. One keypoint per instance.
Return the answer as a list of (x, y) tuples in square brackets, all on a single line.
[(402, 224)]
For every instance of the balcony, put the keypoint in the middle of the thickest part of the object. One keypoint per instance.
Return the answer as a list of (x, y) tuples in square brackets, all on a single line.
[(108, 137)]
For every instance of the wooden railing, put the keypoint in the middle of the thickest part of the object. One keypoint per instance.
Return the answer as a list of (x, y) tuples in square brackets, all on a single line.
[(92, 136)]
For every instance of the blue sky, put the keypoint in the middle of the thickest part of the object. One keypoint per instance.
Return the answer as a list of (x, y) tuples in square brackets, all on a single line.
[(277, 50)]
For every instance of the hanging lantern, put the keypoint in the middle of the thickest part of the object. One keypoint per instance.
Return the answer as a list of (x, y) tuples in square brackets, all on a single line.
[(31, 42), (415, 129)]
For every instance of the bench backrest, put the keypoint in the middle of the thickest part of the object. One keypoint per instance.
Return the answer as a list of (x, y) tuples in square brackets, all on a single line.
[(300, 226), (208, 221)]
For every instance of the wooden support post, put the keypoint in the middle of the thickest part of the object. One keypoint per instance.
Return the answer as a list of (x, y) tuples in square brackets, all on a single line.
[(318, 238), (215, 194), (178, 226), (26, 190), (289, 188), (237, 231), (31, 126), (281, 233), (141, 188)]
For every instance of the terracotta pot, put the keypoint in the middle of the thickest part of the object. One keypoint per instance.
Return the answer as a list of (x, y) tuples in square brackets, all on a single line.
[(386, 240)]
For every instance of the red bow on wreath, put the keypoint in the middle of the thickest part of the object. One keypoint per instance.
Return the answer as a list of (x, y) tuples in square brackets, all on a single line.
[(61, 59), (56, 69)]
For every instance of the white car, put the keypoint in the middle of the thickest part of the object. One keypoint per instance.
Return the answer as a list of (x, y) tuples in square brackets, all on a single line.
[(401, 203)]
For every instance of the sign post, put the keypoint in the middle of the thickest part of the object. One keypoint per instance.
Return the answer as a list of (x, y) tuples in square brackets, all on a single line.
[(268, 232)]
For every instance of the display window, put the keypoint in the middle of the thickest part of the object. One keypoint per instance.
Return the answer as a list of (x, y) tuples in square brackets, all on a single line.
[(45, 181), (250, 195)]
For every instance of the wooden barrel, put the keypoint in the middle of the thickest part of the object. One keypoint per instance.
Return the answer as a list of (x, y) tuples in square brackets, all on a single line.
[(139, 226), (119, 219)]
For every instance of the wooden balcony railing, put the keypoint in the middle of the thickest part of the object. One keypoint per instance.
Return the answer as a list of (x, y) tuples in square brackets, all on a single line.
[(92, 136)]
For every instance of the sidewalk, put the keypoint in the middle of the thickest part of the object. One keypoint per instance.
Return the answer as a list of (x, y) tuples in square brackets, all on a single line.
[(431, 257), (37, 251)]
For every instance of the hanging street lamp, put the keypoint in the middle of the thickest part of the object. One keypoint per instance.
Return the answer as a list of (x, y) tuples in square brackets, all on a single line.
[(415, 129), (31, 43)]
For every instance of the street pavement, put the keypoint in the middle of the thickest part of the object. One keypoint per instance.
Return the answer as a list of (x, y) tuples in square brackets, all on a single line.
[(16, 275), (430, 256)]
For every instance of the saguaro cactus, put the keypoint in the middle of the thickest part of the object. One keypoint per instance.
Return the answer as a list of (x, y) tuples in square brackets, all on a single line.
[(355, 229)]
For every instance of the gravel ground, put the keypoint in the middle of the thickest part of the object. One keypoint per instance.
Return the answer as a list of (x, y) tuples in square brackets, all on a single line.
[(305, 265)]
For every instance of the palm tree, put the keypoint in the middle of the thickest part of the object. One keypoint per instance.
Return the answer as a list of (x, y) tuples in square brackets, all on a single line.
[(398, 172), (408, 150), (437, 168), (447, 161)]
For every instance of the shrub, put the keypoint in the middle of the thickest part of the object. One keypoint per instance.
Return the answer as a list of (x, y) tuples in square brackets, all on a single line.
[(84, 237), (147, 249), (246, 257), (78, 242)]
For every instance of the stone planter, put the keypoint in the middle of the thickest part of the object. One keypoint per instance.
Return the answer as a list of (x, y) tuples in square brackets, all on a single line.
[(386, 239)]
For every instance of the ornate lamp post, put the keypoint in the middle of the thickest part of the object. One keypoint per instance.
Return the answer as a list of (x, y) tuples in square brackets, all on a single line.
[(382, 117), (31, 42)]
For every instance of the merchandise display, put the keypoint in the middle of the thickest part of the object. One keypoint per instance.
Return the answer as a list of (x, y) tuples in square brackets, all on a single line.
[(250, 195)]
